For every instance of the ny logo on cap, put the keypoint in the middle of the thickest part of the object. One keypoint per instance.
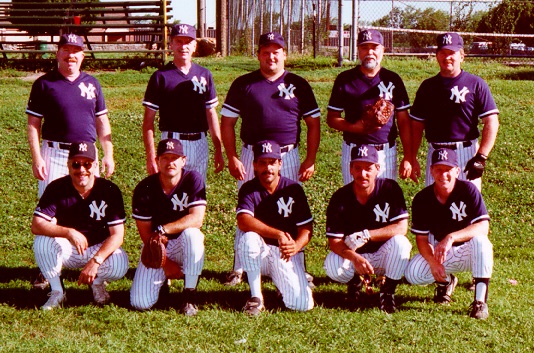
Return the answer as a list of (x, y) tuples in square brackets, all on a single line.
[(447, 39), (270, 36), (182, 29), (72, 38), (170, 145), (266, 148), (367, 35), (362, 151), (82, 147), (443, 156)]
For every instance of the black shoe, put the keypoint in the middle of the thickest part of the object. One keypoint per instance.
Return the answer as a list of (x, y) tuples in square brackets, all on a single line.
[(234, 278), (354, 292), (40, 282), (189, 307), (444, 292), (387, 303), (253, 307), (479, 310)]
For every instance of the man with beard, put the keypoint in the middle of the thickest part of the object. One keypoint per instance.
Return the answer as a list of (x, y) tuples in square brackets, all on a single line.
[(359, 87)]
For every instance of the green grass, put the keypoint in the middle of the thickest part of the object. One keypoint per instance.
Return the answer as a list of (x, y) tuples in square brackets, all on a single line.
[(419, 326)]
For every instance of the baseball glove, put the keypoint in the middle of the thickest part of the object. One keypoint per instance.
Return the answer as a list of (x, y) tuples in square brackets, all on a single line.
[(154, 252), (377, 114)]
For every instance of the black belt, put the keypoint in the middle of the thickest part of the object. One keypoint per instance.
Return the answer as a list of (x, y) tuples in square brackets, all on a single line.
[(452, 145), (63, 146), (379, 147), (194, 136), (283, 149)]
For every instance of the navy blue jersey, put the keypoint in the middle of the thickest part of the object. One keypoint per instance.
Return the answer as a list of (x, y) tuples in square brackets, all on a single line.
[(451, 108), (150, 203), (91, 216), (181, 99), (353, 91), (270, 110), (464, 207), (69, 109), (286, 209), (345, 215)]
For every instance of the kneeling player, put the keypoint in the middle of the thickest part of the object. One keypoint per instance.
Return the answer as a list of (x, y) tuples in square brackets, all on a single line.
[(451, 225), (366, 224)]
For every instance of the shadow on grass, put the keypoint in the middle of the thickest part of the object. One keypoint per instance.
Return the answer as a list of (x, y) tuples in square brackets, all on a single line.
[(519, 75)]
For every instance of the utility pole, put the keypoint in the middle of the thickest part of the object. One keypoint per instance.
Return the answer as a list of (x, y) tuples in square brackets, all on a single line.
[(340, 33), (222, 27), (201, 18)]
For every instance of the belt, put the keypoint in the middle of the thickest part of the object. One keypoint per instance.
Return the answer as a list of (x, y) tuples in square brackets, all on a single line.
[(379, 147), (58, 145), (189, 136), (452, 145), (283, 149)]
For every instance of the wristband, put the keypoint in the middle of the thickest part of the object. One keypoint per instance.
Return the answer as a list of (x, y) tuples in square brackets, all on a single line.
[(161, 230)]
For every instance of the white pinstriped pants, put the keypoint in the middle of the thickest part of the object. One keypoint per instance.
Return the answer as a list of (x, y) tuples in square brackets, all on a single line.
[(475, 255), (187, 251), (390, 260), (464, 154), (387, 158), (195, 151), (288, 276), (52, 254)]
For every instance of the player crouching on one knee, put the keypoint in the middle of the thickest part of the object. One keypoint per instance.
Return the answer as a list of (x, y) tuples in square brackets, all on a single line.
[(171, 202), (451, 225), (79, 223), (366, 225), (274, 216)]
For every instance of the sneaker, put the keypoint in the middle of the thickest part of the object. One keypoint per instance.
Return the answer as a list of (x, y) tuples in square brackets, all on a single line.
[(310, 281), (189, 309), (479, 310), (233, 278), (40, 282), (444, 292), (387, 303), (354, 291), (253, 307), (56, 300), (100, 294)]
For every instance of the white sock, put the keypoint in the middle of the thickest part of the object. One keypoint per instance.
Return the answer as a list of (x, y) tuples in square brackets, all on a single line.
[(55, 284), (191, 281), (254, 281), (480, 291)]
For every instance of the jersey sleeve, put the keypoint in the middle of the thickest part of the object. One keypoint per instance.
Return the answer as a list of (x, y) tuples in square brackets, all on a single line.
[(477, 204), (398, 209), (211, 99), (48, 203), (35, 102), (231, 106), (307, 102), (401, 99), (334, 217), (420, 107), (337, 102), (141, 202), (245, 200), (486, 102), (116, 213), (100, 107), (198, 191), (303, 215), (152, 95), (420, 225)]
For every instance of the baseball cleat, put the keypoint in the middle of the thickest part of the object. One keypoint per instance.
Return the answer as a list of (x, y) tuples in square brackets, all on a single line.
[(309, 278), (253, 307), (40, 282), (354, 291), (444, 292), (56, 300), (387, 303), (233, 278), (100, 294), (479, 310)]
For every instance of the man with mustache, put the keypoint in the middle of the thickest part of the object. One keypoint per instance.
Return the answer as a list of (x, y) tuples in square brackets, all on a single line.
[(66, 105), (184, 94), (275, 220), (79, 223), (359, 87), (366, 225)]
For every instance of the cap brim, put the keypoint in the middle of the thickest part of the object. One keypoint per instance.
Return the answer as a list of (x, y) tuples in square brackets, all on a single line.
[(450, 47), (366, 160), (370, 41), (448, 164)]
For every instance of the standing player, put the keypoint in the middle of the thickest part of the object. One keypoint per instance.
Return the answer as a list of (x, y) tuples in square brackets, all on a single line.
[(451, 226), (184, 93), (79, 222), (271, 102), (276, 221), (448, 107), (359, 87), (66, 105), (366, 224), (170, 202)]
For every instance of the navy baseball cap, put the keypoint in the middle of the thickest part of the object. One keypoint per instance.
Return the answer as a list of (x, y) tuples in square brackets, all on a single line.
[(272, 38), (170, 146), (444, 156), (370, 36), (450, 40), (82, 149), (267, 149), (184, 30), (71, 39), (364, 153)]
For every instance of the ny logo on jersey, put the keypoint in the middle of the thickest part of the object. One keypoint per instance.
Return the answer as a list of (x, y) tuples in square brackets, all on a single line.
[(386, 92), (270, 36), (182, 29), (71, 38), (267, 147), (182, 203), (288, 92), (286, 207), (381, 215), (98, 211), (87, 91), (458, 213), (447, 39), (458, 95), (199, 86)]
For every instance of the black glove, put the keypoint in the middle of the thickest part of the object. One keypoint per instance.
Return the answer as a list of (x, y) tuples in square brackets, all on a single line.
[(475, 167)]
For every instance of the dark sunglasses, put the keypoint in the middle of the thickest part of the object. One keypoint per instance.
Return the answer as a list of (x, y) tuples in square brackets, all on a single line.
[(77, 165)]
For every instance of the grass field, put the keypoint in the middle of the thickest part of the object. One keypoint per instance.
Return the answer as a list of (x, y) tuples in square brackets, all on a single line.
[(419, 326)]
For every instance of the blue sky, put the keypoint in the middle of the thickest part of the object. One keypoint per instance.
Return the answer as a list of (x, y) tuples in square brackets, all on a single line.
[(186, 11)]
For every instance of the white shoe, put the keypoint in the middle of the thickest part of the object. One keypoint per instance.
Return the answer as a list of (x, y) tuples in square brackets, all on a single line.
[(56, 300), (100, 294)]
